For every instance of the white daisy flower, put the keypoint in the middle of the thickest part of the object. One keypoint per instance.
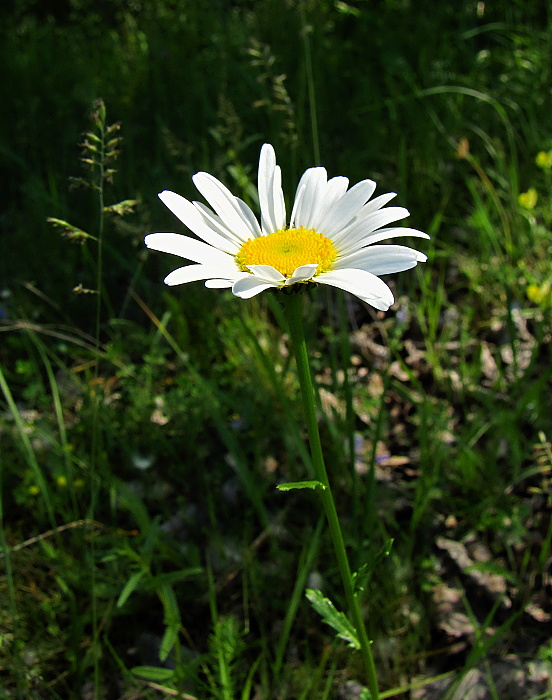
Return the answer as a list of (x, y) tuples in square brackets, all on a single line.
[(330, 239)]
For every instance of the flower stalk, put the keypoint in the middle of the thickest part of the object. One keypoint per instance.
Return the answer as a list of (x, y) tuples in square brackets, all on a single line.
[(293, 309)]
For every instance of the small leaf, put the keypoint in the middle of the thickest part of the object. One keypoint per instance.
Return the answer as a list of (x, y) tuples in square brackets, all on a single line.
[(346, 9), (122, 208), (170, 606), (153, 673), (108, 174), (80, 183), (87, 146), (172, 577), (331, 616), (169, 640), (130, 587), (171, 620), (113, 128), (68, 230), (290, 486), (79, 289)]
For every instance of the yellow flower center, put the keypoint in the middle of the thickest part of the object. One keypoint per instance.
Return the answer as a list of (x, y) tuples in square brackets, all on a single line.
[(288, 249)]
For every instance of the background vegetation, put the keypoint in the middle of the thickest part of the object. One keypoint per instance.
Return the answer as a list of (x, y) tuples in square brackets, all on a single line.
[(143, 430)]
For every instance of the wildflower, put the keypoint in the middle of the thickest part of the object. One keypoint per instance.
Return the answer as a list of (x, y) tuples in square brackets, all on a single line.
[(528, 200), (330, 238), (539, 294), (544, 160)]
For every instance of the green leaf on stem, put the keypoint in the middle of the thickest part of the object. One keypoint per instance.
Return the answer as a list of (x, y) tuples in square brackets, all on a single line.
[(331, 616)]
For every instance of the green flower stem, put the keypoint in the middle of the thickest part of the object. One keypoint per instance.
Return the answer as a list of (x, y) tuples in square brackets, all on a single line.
[(293, 308)]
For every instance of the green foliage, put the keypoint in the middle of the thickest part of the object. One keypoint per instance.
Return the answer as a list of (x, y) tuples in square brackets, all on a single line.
[(291, 486), (331, 616)]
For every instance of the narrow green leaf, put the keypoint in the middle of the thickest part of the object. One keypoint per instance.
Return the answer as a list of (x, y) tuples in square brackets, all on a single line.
[(170, 606), (130, 500), (248, 685), (130, 587), (153, 673), (331, 616), (361, 576), (172, 577), (171, 620), (169, 640), (300, 485), (492, 568)]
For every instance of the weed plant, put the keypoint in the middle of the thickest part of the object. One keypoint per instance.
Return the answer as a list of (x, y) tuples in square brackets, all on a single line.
[(145, 549)]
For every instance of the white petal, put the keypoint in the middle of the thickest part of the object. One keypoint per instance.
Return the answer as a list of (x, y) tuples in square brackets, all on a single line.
[(382, 217), (302, 274), (360, 229), (267, 273), (362, 284), (307, 210), (189, 248), (381, 259), (299, 194), (237, 216), (249, 285), (271, 196), (192, 273), (383, 234), (189, 216), (377, 203), (251, 218), (380, 304), (346, 208), (218, 283), (369, 208), (216, 224), (333, 191), (336, 188)]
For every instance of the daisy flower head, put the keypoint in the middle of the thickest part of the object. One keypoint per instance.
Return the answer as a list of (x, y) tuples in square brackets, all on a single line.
[(330, 238)]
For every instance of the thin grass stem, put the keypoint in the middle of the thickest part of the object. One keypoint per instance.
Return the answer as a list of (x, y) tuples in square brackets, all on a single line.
[(306, 560), (305, 31), (12, 606), (28, 450)]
